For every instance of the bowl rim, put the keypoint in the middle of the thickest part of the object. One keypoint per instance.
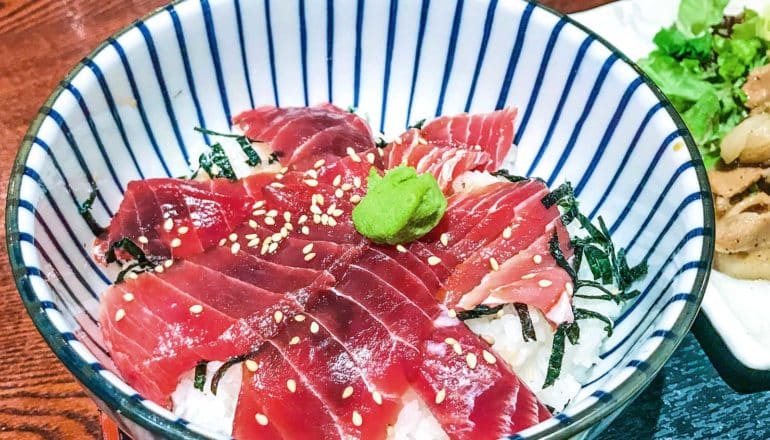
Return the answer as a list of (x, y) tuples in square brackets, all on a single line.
[(133, 409)]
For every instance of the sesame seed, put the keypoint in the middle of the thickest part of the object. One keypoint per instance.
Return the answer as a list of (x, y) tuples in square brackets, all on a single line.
[(277, 185), (314, 327), (434, 260), (355, 198), (168, 225), (324, 219), (265, 246), (258, 212), (347, 392), (311, 183), (537, 259), (319, 163), (420, 140), (315, 209), (120, 314), (507, 232), (489, 338), (338, 193), (276, 236), (251, 365), (357, 419), (258, 204), (353, 155), (261, 419), (308, 247), (291, 385), (289, 227), (331, 208), (305, 230), (250, 236), (489, 357), (357, 182), (196, 309), (569, 288), (223, 241), (175, 243), (278, 316), (302, 219), (493, 264), (269, 221), (299, 318), (440, 396), (284, 169), (272, 213), (183, 230), (452, 313), (472, 360), (444, 239), (279, 176), (312, 173), (310, 256), (316, 218), (337, 180), (294, 340), (337, 212), (346, 187), (450, 341), (272, 248), (458, 349), (235, 248), (377, 398), (370, 157), (143, 239), (132, 275), (528, 276), (332, 222), (168, 263), (400, 248), (128, 297), (159, 268), (232, 237), (381, 152), (544, 283)]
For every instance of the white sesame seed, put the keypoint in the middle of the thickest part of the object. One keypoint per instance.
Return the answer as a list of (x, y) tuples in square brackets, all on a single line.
[(319, 163), (370, 157), (143, 239), (357, 182), (175, 243), (338, 193), (314, 327), (235, 248), (168, 263), (528, 276), (250, 236), (489, 357), (347, 392), (489, 338), (357, 419), (316, 218), (291, 384), (346, 187), (159, 268), (305, 230), (284, 169), (493, 264), (168, 225), (258, 204), (421, 140), (265, 246), (337, 180), (355, 198), (311, 183), (299, 318), (337, 212), (276, 236), (251, 365), (353, 155), (277, 185), (132, 275), (302, 219), (196, 309), (440, 396), (444, 239), (544, 283), (569, 288), (434, 260), (537, 259), (269, 221), (279, 176), (272, 248), (294, 340), (308, 247), (458, 349), (377, 397), (258, 212), (452, 313), (278, 316), (381, 152), (310, 256), (120, 314), (332, 222), (272, 213), (324, 219), (450, 341), (331, 208), (223, 241), (289, 227), (472, 360), (401, 248), (315, 209), (232, 237), (128, 297), (183, 230), (261, 419)]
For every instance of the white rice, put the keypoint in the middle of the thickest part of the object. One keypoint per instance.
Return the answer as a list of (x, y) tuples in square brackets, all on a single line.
[(216, 412)]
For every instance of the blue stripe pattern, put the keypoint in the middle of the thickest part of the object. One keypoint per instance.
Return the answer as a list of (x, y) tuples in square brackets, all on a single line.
[(564, 82)]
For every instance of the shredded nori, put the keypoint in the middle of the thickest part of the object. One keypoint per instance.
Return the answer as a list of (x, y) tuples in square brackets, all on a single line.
[(502, 172), (527, 329), (557, 355), (85, 211), (129, 268), (557, 254), (129, 247), (590, 314), (200, 375), (597, 260), (552, 198), (381, 143), (564, 197), (218, 157), (217, 376), (478, 311), (252, 158), (273, 158), (419, 124)]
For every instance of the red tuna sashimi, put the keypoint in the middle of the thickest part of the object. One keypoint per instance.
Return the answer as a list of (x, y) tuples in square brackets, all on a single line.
[(301, 136), (470, 390)]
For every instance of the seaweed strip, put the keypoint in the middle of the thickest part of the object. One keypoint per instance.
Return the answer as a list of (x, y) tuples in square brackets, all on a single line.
[(85, 212), (588, 314), (557, 355), (200, 375), (527, 329), (478, 311), (217, 376)]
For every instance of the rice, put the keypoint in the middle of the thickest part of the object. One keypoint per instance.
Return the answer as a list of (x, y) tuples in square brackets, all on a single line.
[(216, 412)]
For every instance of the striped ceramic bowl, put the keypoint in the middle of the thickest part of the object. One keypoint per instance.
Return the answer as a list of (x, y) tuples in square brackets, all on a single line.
[(586, 115)]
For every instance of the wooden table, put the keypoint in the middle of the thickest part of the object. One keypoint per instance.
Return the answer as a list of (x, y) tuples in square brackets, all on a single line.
[(39, 42)]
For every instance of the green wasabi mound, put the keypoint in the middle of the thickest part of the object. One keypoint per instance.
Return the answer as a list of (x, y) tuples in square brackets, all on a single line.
[(399, 207)]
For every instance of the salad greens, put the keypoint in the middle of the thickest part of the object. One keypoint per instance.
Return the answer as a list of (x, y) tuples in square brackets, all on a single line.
[(701, 63)]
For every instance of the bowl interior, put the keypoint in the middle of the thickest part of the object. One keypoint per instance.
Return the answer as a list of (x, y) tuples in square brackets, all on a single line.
[(585, 115)]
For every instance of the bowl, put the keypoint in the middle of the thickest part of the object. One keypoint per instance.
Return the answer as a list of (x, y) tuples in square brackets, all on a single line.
[(586, 115)]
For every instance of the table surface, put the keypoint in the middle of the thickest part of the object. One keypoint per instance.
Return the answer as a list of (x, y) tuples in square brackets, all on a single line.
[(40, 40)]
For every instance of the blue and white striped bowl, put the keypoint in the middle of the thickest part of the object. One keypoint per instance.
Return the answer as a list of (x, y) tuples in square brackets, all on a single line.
[(586, 115)]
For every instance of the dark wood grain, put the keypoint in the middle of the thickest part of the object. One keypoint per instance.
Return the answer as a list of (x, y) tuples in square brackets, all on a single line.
[(40, 40)]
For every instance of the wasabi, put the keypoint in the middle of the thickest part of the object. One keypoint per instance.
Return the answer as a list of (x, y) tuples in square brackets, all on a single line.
[(400, 207)]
